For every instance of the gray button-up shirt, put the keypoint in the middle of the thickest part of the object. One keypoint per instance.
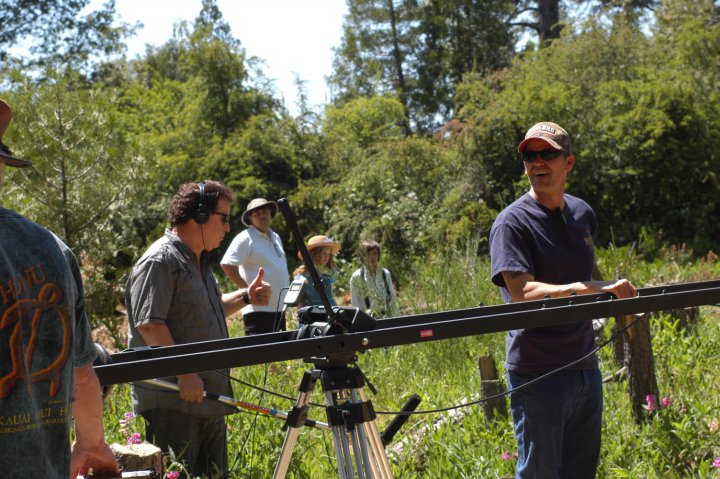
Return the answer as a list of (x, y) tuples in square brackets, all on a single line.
[(167, 286)]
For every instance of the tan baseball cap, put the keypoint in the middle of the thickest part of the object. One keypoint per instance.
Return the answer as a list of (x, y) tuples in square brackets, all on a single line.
[(552, 133)]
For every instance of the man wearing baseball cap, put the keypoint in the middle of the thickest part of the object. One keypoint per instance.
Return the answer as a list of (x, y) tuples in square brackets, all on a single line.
[(46, 352), (542, 246), (259, 247)]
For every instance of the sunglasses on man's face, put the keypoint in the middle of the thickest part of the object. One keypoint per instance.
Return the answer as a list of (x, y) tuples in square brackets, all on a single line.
[(225, 218), (546, 155)]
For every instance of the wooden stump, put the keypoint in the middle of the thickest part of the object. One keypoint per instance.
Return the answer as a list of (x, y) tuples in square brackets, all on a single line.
[(490, 385), (138, 457)]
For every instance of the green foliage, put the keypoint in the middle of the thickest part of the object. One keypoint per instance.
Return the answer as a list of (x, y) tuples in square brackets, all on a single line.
[(459, 39), (642, 115), (419, 52), (61, 32), (87, 171)]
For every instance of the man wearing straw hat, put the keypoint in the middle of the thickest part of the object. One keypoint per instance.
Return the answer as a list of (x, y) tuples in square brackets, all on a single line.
[(46, 352), (259, 247)]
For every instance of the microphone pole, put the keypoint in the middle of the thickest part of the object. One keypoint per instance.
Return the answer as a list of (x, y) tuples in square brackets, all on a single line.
[(317, 281), (232, 402)]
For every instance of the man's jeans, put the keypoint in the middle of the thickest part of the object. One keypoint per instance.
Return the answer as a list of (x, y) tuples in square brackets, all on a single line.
[(558, 424)]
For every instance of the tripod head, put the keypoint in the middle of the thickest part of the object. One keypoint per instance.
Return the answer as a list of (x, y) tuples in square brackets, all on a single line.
[(314, 323)]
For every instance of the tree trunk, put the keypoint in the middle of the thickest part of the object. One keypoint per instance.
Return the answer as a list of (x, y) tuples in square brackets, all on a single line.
[(549, 19), (398, 58)]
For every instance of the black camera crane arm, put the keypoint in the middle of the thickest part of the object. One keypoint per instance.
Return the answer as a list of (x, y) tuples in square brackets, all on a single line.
[(166, 361)]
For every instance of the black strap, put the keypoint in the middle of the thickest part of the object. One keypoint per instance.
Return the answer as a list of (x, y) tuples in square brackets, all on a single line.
[(362, 276)]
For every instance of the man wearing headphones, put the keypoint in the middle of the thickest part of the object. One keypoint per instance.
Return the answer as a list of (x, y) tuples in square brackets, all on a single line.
[(172, 298)]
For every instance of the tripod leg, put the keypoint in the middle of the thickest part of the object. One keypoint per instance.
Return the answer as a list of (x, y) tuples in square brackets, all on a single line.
[(294, 421), (362, 459), (381, 464), (340, 440)]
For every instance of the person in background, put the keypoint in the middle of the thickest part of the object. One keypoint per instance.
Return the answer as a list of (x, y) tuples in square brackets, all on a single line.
[(172, 298), (322, 250), (371, 286), (259, 247), (542, 246), (46, 352)]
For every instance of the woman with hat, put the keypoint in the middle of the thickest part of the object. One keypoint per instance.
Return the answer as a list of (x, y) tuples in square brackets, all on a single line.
[(322, 251)]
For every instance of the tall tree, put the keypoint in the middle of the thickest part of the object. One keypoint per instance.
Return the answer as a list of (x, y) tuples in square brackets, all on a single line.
[(459, 38), (419, 51), (58, 32), (378, 40), (86, 169), (541, 16)]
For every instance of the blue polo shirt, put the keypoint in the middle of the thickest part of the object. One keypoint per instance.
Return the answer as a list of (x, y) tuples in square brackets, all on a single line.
[(556, 247)]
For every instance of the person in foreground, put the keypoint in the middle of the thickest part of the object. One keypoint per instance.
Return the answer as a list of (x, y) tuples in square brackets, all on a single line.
[(259, 247), (172, 298), (542, 246), (46, 352)]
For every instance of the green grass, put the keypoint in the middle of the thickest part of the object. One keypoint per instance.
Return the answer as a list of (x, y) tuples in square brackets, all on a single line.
[(680, 441)]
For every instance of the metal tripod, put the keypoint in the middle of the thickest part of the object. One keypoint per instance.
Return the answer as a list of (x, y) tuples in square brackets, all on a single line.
[(358, 445)]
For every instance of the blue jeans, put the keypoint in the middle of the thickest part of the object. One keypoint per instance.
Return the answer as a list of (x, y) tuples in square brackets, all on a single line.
[(558, 424)]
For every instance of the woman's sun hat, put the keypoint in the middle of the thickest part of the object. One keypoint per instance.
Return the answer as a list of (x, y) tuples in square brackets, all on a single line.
[(322, 241)]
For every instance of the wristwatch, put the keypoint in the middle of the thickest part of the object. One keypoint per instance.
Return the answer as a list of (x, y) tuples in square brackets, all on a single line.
[(245, 296)]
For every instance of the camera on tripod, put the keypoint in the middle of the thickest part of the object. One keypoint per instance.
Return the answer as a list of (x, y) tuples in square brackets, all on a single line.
[(314, 321)]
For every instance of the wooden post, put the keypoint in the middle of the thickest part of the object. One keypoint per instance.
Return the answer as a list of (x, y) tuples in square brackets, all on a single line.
[(637, 357), (490, 385), (640, 364)]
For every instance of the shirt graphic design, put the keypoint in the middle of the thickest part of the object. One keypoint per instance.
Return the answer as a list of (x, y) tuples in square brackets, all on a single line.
[(35, 342)]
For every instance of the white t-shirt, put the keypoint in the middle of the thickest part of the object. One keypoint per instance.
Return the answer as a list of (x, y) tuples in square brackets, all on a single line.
[(252, 249)]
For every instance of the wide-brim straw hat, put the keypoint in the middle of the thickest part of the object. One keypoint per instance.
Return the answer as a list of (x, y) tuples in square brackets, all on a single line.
[(5, 156), (255, 204), (321, 241)]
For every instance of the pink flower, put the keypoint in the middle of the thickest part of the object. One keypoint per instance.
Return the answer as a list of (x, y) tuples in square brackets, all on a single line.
[(716, 463), (506, 456), (134, 439), (666, 402), (172, 475), (651, 401)]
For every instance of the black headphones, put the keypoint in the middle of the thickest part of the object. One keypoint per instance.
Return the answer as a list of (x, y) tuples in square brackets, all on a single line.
[(201, 214)]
